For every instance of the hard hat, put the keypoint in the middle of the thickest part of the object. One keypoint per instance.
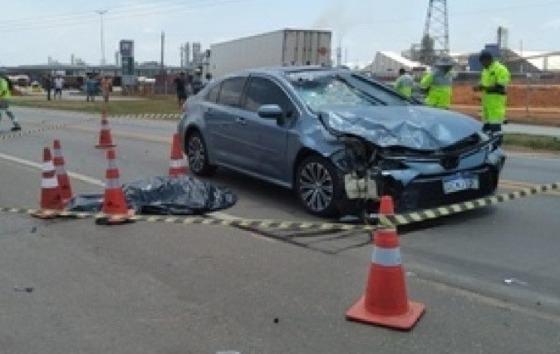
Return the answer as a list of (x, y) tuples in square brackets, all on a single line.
[(444, 62), (486, 54)]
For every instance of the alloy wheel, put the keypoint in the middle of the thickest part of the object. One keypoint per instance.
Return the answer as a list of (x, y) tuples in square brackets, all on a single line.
[(316, 186), (196, 154)]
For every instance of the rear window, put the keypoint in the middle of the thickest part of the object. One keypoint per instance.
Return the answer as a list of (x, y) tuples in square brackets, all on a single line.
[(230, 94)]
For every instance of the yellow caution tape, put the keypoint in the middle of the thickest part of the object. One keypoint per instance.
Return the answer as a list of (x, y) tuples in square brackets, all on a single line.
[(27, 132), (431, 214), (385, 221), (156, 116)]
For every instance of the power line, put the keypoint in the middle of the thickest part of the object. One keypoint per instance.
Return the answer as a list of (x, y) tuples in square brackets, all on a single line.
[(78, 21), (116, 14), (84, 14)]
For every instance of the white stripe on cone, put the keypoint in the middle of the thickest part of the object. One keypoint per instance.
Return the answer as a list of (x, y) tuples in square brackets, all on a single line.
[(387, 257), (51, 182), (48, 166), (177, 163), (112, 183)]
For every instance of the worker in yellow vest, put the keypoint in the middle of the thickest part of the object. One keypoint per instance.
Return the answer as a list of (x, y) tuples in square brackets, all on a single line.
[(438, 84), (493, 83), (5, 94), (404, 84)]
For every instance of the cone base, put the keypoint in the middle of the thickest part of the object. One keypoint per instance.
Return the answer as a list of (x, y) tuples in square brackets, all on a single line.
[(105, 146), (46, 214), (359, 313), (106, 219)]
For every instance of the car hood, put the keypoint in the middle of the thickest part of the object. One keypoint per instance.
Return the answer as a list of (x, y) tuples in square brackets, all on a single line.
[(414, 127)]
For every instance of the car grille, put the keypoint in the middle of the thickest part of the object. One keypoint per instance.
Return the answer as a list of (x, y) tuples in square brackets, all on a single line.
[(426, 193)]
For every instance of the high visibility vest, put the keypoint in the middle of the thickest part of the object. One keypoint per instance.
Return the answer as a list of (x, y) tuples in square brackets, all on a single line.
[(404, 85), (494, 104), (4, 89), (439, 86)]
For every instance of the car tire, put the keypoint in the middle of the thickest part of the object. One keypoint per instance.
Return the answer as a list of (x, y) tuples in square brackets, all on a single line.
[(318, 186), (197, 155)]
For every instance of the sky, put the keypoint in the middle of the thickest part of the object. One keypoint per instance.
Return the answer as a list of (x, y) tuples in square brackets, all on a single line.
[(33, 30)]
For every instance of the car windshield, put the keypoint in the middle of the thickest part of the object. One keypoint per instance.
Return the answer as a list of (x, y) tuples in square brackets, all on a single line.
[(321, 89)]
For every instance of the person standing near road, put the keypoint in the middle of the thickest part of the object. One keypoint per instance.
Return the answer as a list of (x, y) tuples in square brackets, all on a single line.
[(181, 89), (5, 94), (404, 84), (208, 78), (58, 86), (439, 84), (48, 86), (494, 80), (91, 88), (106, 87)]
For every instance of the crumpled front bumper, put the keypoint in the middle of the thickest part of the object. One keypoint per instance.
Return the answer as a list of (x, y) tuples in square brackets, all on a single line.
[(419, 185)]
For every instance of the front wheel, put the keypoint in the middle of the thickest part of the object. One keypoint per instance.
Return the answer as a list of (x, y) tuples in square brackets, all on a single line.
[(318, 186), (197, 154)]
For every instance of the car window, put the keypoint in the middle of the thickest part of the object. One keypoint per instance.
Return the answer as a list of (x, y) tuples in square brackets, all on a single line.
[(262, 91), (230, 94), (212, 95)]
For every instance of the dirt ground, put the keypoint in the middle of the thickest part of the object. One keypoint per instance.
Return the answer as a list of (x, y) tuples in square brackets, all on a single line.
[(539, 116), (541, 96), (543, 101)]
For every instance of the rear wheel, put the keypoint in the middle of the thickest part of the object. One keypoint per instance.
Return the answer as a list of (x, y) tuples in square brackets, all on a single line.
[(318, 186), (197, 154)]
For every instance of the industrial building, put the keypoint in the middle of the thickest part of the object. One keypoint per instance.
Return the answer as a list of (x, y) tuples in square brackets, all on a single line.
[(387, 64)]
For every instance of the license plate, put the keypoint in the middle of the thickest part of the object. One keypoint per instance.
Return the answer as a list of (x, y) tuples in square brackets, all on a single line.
[(459, 183)]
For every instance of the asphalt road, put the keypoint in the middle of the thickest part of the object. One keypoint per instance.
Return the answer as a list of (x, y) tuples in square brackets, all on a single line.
[(74, 287)]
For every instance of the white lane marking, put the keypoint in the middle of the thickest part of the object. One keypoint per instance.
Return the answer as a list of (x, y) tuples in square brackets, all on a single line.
[(39, 166)]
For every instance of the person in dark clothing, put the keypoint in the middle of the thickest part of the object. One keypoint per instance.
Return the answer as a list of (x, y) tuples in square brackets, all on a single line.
[(48, 86), (181, 89), (207, 78)]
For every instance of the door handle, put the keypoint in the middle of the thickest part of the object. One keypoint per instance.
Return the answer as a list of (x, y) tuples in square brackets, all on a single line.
[(241, 121)]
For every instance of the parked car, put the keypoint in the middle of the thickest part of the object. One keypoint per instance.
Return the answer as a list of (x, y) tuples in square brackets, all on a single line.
[(337, 138)]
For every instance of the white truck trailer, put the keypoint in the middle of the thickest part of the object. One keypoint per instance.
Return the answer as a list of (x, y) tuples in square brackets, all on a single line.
[(287, 47)]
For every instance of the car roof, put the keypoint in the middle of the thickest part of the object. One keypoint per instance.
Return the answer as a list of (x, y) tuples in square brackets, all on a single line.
[(286, 70)]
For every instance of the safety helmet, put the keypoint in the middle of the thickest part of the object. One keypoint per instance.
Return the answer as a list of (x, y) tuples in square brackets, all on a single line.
[(486, 54)]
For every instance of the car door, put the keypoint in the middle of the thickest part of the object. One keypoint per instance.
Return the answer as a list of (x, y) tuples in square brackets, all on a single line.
[(221, 119), (266, 137)]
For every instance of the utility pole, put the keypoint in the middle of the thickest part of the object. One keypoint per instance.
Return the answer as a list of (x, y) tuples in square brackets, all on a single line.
[(101, 13), (182, 53), (435, 40), (163, 73), (339, 52)]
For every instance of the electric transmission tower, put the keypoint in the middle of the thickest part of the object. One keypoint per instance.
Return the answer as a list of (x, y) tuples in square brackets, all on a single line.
[(435, 42)]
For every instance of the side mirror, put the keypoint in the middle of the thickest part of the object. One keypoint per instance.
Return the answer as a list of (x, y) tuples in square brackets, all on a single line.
[(270, 111)]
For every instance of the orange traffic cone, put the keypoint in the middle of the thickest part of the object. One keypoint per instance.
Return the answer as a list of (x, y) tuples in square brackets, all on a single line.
[(385, 302), (62, 176), (51, 199), (387, 206), (105, 138), (115, 209), (177, 166)]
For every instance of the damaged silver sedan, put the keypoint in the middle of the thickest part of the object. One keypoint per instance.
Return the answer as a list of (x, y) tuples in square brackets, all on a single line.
[(339, 140)]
